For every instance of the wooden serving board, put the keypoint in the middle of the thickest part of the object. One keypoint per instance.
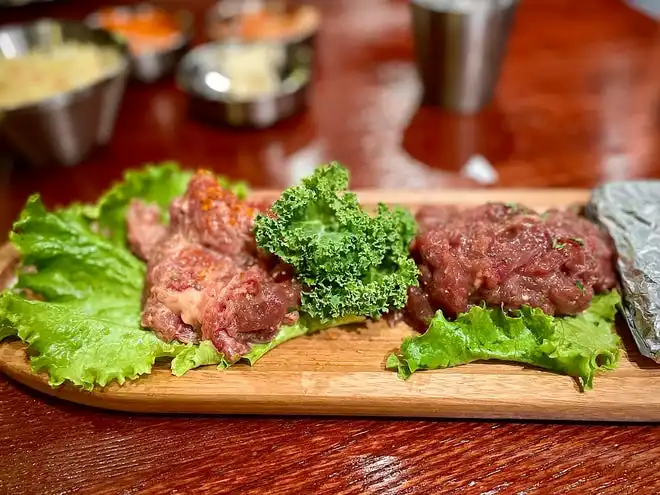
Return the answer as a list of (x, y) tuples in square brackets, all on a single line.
[(341, 372)]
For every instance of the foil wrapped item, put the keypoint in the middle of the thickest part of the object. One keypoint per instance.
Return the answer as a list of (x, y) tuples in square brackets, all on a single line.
[(630, 212)]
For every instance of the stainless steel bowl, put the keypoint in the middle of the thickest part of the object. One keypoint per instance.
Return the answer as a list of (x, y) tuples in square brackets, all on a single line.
[(20, 3), (200, 69), (150, 66), (64, 128)]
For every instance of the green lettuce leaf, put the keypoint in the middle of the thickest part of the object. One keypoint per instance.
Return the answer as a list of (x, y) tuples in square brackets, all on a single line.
[(87, 329), (82, 347), (304, 326), (194, 356), (578, 346), (6, 327), (85, 326), (75, 265), (206, 354), (157, 184)]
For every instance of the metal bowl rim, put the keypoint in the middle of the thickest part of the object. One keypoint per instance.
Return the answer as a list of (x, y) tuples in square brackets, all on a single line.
[(302, 37), (23, 3), (183, 82), (61, 99), (187, 32)]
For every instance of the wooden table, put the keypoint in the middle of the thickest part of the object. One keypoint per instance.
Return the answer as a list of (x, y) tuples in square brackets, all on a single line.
[(578, 104)]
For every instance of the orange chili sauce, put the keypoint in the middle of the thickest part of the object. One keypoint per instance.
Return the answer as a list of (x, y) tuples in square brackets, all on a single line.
[(268, 25), (145, 31)]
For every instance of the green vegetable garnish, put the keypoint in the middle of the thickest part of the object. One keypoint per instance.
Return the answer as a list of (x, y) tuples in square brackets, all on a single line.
[(87, 328), (578, 345), (205, 353), (351, 263), (558, 244)]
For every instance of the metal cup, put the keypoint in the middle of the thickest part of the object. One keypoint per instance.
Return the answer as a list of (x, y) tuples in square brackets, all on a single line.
[(459, 46)]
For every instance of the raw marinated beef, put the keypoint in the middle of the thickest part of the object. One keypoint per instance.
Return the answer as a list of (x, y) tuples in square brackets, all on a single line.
[(509, 256), (144, 228), (205, 278)]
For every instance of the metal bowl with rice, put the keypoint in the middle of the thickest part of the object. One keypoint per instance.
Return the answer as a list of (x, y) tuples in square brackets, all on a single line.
[(275, 21), (246, 84), (54, 111), (258, 67)]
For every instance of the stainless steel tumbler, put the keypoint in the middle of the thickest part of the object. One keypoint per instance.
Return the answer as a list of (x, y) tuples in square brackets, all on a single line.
[(459, 46)]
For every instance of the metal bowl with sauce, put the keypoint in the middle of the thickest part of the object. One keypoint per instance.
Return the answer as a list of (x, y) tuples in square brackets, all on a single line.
[(150, 65), (275, 21), (63, 128), (218, 95)]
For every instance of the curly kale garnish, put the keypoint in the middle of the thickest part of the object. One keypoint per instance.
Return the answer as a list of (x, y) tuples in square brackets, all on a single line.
[(350, 262)]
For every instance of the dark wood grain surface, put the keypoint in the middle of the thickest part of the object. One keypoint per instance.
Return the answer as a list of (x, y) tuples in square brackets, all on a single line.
[(578, 103)]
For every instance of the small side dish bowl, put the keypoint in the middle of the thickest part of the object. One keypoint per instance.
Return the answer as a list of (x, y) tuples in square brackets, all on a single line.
[(274, 21), (20, 3), (246, 84), (77, 77), (156, 38)]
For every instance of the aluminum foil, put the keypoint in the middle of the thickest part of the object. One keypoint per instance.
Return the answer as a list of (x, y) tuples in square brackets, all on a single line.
[(630, 212)]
